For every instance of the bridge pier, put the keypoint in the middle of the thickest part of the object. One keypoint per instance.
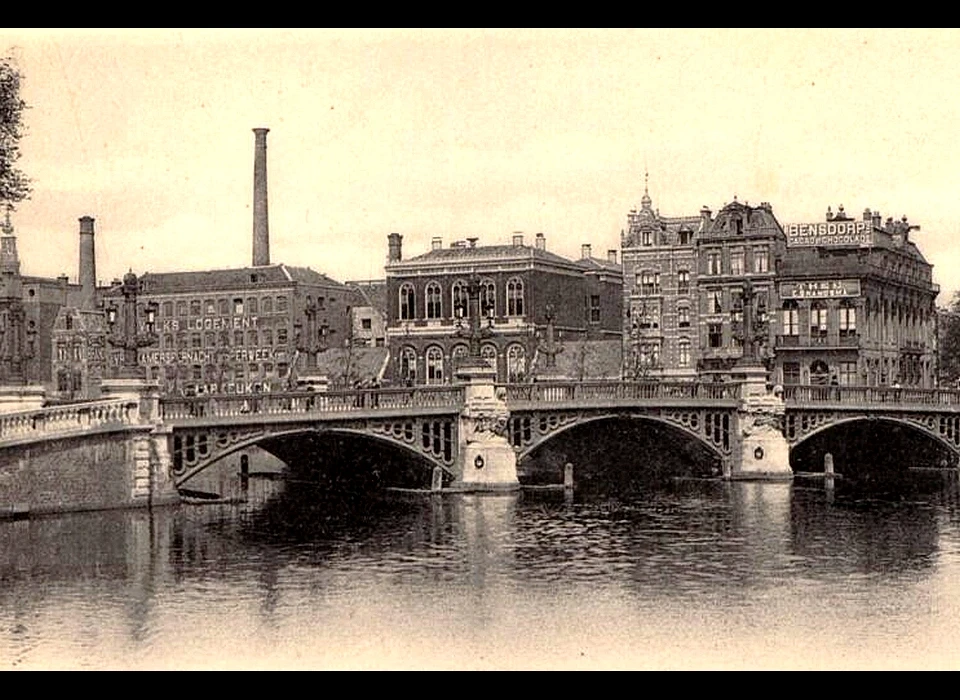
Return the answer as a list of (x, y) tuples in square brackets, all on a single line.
[(761, 451), (486, 460)]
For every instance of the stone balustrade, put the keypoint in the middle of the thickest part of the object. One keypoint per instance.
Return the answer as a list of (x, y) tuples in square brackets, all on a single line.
[(60, 421)]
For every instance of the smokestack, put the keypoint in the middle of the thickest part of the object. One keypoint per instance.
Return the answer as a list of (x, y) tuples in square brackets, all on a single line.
[(585, 250), (541, 242), (517, 238), (436, 243), (88, 265), (612, 256), (261, 226), (394, 250)]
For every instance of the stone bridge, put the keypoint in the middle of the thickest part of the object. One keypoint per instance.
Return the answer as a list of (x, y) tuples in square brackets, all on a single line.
[(56, 458)]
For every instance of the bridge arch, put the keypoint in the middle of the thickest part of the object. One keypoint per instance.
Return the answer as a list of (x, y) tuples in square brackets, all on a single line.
[(223, 448), (943, 432), (716, 438)]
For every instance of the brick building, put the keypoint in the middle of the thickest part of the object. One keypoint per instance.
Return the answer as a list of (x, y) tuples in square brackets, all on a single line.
[(857, 304), (660, 336), (426, 301)]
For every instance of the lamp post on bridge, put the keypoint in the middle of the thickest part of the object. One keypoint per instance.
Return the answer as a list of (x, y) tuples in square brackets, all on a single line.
[(476, 332), (124, 325), (309, 340)]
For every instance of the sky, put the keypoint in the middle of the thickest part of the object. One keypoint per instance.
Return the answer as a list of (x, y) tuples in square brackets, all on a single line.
[(459, 133)]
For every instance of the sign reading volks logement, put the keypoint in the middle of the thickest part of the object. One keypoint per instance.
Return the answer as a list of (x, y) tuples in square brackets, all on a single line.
[(820, 289), (830, 233)]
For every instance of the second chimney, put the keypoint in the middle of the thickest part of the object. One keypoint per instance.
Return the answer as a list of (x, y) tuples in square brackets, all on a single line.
[(88, 265), (517, 238), (612, 256), (436, 243), (585, 251), (394, 249), (261, 226), (541, 242)]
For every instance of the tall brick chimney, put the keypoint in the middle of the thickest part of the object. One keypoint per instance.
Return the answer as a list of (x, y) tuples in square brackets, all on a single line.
[(88, 265), (261, 225), (394, 247)]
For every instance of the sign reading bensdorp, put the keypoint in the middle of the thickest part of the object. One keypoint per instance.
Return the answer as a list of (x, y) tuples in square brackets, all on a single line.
[(830, 233), (820, 289)]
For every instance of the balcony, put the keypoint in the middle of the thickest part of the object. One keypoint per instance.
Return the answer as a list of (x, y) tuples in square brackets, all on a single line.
[(817, 341)]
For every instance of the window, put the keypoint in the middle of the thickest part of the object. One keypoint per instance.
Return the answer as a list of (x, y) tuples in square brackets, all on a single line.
[(594, 308), (253, 370), (223, 306), (238, 306), (266, 336), (196, 372), (458, 299), (408, 365), (683, 317), (181, 308), (366, 324), (281, 336), (791, 372), (715, 335), (252, 305), (322, 303), (489, 353), (848, 321), (683, 348), (818, 320), (646, 238), (238, 337), (791, 321), (434, 359), (736, 305), (266, 306), (848, 373), (488, 298), (408, 302), (210, 339), (283, 369), (713, 262), (715, 301), (281, 304), (195, 307), (432, 298), (516, 363), (252, 338), (736, 262), (210, 307), (459, 352), (167, 308), (686, 237), (195, 340), (761, 255), (515, 297), (683, 281), (647, 283), (168, 340)]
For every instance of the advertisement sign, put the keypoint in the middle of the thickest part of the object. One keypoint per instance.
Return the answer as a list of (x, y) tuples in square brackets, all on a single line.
[(820, 289), (830, 234)]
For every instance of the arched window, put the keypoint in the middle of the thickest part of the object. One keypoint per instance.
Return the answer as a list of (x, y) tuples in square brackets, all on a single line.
[(458, 299), (516, 363), (457, 355), (818, 319), (488, 298), (408, 365), (432, 298), (515, 297), (434, 361), (489, 353), (683, 349), (408, 302)]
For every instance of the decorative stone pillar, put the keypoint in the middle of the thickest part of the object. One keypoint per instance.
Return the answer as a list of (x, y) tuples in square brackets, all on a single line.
[(764, 452), (487, 461)]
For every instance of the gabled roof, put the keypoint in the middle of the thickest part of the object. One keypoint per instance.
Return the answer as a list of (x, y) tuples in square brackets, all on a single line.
[(752, 221)]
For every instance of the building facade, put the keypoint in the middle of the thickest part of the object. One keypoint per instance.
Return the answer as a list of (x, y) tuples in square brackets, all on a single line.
[(239, 330), (857, 305), (660, 336), (521, 287)]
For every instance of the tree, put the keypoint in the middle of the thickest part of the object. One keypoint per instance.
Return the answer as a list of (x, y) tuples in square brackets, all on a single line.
[(14, 185), (949, 332)]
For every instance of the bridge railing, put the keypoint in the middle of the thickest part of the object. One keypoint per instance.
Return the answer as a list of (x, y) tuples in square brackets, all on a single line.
[(562, 392), (68, 419), (860, 395), (293, 402)]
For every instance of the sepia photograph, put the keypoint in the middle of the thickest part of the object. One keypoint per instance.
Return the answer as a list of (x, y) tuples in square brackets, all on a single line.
[(479, 349)]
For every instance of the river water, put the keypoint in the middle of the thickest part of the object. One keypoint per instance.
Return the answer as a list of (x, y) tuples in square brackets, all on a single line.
[(678, 574)]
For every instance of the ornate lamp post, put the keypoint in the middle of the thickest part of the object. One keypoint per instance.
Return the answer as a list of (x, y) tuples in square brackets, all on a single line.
[(476, 332), (124, 328)]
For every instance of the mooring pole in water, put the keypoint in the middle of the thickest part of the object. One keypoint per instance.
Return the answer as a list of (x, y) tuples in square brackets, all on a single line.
[(436, 483), (244, 476), (568, 475), (828, 472)]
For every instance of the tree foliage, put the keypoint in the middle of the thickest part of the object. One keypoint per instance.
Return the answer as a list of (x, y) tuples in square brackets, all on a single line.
[(949, 337), (14, 185)]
